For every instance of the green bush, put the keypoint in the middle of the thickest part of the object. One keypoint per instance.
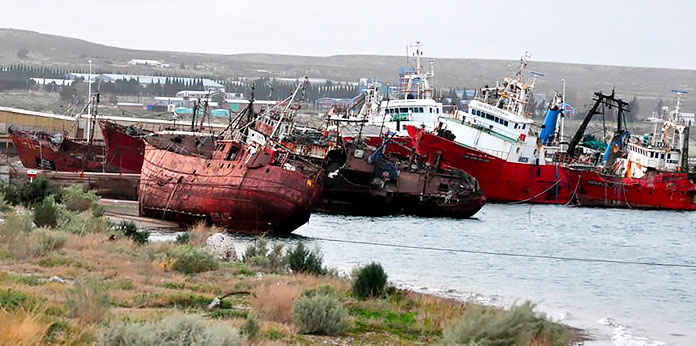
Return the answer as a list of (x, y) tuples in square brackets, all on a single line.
[(175, 330), (370, 282), (4, 204), (192, 261), (27, 194), (83, 223), (77, 199), (303, 260), (87, 301), (251, 327), (519, 326), (130, 230), (258, 255), (48, 212), (48, 241), (183, 238), (320, 314)]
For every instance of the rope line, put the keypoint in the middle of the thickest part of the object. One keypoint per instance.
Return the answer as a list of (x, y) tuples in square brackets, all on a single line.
[(509, 254)]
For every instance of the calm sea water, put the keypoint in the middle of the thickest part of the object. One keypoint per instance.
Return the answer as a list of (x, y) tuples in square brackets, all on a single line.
[(618, 304)]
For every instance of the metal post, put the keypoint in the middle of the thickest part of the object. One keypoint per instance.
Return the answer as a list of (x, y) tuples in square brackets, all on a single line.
[(89, 95), (562, 115)]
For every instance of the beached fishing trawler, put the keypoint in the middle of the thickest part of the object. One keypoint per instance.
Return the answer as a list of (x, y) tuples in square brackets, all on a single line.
[(229, 180), (648, 172), (365, 180), (414, 104), (60, 152), (124, 146), (496, 141)]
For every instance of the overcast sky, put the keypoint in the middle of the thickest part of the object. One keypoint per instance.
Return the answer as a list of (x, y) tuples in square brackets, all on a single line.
[(614, 32)]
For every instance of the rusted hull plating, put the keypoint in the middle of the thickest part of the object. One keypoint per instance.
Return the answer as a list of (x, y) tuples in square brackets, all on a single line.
[(123, 151), (676, 191), (252, 200), (36, 150)]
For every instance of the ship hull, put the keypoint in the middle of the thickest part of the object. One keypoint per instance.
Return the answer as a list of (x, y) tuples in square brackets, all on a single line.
[(123, 151), (660, 190), (360, 184), (250, 200), (38, 150), (501, 181)]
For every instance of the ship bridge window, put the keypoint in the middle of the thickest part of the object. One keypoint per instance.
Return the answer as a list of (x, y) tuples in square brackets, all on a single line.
[(506, 123), (662, 156), (420, 109), (233, 153), (404, 110), (437, 110), (431, 109)]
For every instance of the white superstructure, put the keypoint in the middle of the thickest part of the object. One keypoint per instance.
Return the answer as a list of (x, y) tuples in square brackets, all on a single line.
[(415, 104), (498, 122)]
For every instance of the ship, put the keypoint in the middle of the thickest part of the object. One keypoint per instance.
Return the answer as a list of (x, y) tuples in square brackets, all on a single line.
[(124, 146), (60, 152), (496, 141), (245, 184), (644, 172), (365, 180)]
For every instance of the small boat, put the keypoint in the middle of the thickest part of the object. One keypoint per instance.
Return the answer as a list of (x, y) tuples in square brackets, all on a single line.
[(365, 180)]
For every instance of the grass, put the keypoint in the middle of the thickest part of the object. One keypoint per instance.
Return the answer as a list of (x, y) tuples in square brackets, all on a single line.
[(274, 302), (112, 282)]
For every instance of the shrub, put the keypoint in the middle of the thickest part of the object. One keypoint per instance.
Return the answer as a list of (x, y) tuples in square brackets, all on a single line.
[(258, 255), (83, 223), (192, 261), (27, 194), (4, 204), (183, 238), (274, 302), (77, 199), (14, 234), (13, 300), (370, 282), (87, 301), (320, 314), (302, 260), (173, 330), (519, 326), (251, 327), (48, 241), (48, 213), (130, 230)]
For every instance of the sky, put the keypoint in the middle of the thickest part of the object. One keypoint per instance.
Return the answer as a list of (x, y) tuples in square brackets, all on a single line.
[(610, 32)]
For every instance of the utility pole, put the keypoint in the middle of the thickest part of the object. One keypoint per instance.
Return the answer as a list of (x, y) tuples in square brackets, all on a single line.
[(562, 114), (89, 95)]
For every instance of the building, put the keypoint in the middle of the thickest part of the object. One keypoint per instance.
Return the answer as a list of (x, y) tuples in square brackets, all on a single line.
[(145, 62), (144, 80), (326, 103)]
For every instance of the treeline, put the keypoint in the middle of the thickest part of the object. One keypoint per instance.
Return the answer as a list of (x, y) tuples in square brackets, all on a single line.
[(271, 89)]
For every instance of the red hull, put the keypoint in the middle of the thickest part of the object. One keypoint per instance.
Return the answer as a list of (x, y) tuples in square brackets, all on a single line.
[(251, 198), (500, 180), (123, 151), (37, 150), (676, 191)]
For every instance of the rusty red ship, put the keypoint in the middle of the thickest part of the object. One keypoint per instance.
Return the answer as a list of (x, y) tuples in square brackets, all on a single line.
[(247, 188), (124, 146), (41, 150)]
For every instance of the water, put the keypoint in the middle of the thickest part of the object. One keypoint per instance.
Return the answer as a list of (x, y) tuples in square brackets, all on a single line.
[(618, 304)]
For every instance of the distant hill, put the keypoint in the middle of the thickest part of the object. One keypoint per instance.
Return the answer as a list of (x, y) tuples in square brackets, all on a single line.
[(648, 84)]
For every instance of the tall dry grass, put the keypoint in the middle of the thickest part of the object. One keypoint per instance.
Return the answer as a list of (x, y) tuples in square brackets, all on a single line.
[(274, 302), (21, 328)]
